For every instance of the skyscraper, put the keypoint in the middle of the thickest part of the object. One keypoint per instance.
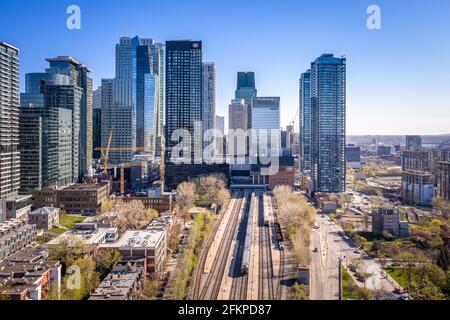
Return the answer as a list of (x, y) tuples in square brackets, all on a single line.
[(246, 89), (9, 121), (238, 115), (137, 95), (97, 123), (79, 76), (328, 113), (305, 122), (209, 96), (266, 122), (184, 81)]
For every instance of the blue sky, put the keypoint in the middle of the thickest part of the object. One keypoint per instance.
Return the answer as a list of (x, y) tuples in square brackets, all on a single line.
[(398, 77)]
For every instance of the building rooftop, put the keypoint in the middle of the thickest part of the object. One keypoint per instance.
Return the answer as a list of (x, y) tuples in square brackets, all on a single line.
[(85, 187), (68, 59), (87, 233), (43, 210), (138, 239)]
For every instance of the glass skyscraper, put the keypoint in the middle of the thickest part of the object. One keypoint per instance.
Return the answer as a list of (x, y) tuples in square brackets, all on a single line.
[(305, 122), (328, 124), (209, 96), (78, 74), (137, 95), (183, 88), (266, 122), (246, 90)]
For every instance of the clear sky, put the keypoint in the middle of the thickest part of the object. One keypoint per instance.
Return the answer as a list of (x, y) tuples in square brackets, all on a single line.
[(398, 78)]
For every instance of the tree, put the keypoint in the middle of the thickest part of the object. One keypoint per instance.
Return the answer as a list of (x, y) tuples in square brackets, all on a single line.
[(68, 250), (132, 216), (79, 285), (106, 260), (376, 247), (345, 199), (185, 197), (222, 197), (301, 292), (149, 289), (363, 294)]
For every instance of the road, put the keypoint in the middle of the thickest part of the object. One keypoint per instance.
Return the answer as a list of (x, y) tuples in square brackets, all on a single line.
[(333, 244)]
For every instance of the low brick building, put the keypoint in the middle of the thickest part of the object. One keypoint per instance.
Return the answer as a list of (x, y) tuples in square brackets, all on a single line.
[(85, 199), (44, 218)]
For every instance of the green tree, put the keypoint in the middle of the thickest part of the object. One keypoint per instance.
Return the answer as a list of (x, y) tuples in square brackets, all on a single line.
[(301, 292), (106, 260)]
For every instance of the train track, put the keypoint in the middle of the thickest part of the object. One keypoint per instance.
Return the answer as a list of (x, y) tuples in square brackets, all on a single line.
[(203, 257), (240, 281), (266, 288), (279, 287), (214, 279)]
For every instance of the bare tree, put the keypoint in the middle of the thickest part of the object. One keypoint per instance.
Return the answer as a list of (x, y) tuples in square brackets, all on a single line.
[(185, 197), (345, 201), (132, 215)]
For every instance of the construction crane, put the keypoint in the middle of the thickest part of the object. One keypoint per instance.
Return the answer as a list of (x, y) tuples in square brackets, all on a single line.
[(295, 118), (105, 153)]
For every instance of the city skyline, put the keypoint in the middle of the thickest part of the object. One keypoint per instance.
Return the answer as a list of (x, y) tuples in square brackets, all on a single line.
[(382, 86)]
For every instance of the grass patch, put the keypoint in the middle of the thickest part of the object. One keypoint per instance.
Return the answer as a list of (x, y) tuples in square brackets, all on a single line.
[(68, 221), (57, 230), (399, 275), (348, 286)]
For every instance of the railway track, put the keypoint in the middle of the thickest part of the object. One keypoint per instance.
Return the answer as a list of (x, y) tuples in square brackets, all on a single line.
[(279, 287), (266, 288), (213, 282), (240, 281), (203, 257)]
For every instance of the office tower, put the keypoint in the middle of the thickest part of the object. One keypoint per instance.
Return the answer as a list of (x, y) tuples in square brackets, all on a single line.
[(209, 96), (328, 110), (353, 156), (97, 124), (97, 98), (220, 124), (118, 119), (183, 89), (220, 141), (246, 89), (33, 96), (9, 122), (238, 125), (266, 123), (305, 122), (413, 142), (238, 115), (79, 76), (46, 148), (137, 96)]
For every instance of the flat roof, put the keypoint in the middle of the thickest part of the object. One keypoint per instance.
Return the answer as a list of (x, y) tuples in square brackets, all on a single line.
[(68, 59), (137, 239), (85, 187)]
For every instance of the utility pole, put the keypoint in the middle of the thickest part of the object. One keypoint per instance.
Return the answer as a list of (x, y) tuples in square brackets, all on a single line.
[(340, 278)]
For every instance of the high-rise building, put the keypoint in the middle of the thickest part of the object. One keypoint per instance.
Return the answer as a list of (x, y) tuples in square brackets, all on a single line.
[(209, 96), (220, 141), (79, 76), (443, 180), (238, 115), (413, 142), (184, 81), (328, 114), (132, 103), (33, 96), (97, 124), (266, 123), (238, 125), (305, 122), (220, 124), (9, 122), (137, 95), (246, 90), (353, 156)]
